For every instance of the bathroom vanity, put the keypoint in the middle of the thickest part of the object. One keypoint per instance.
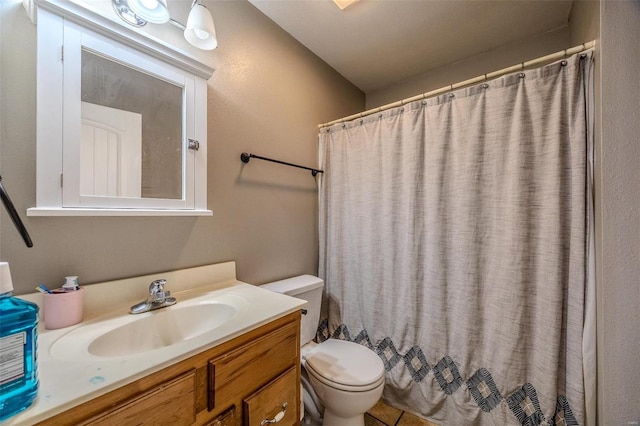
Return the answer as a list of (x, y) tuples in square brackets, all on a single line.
[(241, 369), (241, 382)]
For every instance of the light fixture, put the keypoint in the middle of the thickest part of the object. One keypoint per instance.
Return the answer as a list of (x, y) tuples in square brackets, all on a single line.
[(342, 4), (154, 11), (199, 31), (126, 14)]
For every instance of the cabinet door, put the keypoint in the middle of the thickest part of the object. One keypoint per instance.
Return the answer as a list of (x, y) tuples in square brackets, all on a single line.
[(242, 371), (171, 403), (147, 165), (275, 403)]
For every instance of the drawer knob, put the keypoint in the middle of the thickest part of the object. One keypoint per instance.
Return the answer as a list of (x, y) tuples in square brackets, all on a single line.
[(277, 417)]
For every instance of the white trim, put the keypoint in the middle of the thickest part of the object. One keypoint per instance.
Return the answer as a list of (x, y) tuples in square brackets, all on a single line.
[(67, 211), (200, 134), (71, 113), (49, 121), (188, 157)]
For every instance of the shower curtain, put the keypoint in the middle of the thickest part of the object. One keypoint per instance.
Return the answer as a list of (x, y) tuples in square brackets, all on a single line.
[(454, 241)]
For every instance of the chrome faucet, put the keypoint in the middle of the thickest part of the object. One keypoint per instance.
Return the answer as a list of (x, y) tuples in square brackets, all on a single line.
[(158, 298)]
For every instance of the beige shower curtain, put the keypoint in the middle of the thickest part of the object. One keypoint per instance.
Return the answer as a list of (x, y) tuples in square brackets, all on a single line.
[(454, 240)]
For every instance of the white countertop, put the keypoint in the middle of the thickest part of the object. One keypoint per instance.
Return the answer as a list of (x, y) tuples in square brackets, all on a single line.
[(67, 383)]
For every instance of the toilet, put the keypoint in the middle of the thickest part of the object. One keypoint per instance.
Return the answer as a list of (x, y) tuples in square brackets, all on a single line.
[(340, 380)]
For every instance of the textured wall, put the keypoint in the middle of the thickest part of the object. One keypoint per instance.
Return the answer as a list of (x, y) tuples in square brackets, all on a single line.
[(505, 56), (584, 21), (619, 203), (266, 96)]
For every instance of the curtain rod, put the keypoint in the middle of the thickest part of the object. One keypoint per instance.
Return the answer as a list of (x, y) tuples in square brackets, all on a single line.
[(478, 79), (244, 157)]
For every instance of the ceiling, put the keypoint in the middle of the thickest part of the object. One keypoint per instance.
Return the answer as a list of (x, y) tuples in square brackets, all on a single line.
[(375, 43)]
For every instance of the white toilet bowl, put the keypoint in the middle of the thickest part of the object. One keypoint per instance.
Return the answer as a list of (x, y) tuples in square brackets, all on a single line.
[(346, 377)]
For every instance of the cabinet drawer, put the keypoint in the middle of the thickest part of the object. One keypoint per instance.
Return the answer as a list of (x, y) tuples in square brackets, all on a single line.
[(251, 366), (272, 401), (228, 418), (171, 403)]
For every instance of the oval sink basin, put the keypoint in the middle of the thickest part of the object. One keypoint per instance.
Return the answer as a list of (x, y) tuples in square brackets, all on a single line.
[(162, 328), (126, 335)]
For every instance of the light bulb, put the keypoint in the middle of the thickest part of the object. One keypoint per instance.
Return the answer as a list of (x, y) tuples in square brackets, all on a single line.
[(149, 4), (202, 35), (154, 11)]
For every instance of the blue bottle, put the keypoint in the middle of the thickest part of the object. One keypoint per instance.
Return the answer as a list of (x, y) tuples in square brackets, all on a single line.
[(18, 349)]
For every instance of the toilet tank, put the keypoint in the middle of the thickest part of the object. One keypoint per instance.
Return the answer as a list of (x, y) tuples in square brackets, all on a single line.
[(305, 287)]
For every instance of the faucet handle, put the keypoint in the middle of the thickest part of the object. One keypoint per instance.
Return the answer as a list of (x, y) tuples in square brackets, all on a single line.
[(157, 286)]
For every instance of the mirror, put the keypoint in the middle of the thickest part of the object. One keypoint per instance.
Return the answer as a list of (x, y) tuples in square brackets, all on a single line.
[(121, 120), (131, 135)]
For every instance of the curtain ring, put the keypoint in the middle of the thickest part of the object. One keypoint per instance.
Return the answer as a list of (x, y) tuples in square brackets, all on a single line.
[(485, 86), (361, 121), (451, 95), (563, 63), (521, 75), (344, 125), (424, 102)]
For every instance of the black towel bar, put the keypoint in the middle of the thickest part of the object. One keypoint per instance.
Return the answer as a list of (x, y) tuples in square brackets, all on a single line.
[(244, 157)]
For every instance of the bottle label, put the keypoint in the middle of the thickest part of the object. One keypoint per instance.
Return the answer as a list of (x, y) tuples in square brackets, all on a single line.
[(12, 357)]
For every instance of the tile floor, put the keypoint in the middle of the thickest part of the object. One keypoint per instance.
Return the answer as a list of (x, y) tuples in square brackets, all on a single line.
[(384, 415)]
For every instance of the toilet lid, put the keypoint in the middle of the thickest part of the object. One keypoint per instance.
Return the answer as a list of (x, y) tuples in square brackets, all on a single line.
[(345, 363)]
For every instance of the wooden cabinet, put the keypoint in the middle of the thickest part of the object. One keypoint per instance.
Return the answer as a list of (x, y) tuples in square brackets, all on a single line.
[(234, 375), (242, 382), (276, 401), (172, 402), (227, 418)]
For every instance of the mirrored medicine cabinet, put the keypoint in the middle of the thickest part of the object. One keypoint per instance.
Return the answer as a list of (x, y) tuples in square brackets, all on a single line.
[(121, 119)]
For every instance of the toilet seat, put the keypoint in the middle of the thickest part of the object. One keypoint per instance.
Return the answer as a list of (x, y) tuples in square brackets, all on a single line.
[(345, 365)]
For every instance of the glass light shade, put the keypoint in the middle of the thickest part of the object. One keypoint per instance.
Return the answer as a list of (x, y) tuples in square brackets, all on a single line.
[(154, 11), (200, 31), (342, 4), (122, 9)]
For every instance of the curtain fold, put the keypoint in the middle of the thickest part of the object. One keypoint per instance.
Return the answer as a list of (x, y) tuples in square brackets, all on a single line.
[(453, 242)]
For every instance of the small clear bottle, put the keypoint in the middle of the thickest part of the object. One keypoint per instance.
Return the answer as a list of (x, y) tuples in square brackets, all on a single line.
[(18, 349)]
